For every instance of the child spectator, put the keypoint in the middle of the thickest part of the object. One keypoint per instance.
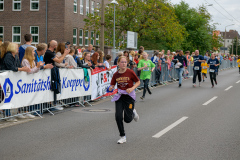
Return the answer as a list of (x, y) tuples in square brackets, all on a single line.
[(28, 60), (108, 61), (69, 58)]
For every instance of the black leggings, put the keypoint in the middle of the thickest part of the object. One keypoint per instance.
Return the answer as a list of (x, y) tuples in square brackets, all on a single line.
[(213, 77), (145, 82), (126, 104), (195, 74), (239, 69)]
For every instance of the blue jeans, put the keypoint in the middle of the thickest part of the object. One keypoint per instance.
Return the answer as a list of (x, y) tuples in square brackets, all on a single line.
[(180, 72)]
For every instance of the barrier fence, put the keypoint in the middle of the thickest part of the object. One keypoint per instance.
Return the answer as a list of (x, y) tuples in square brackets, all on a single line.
[(77, 96)]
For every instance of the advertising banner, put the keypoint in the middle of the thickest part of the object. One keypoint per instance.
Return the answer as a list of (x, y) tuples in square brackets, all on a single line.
[(19, 89), (101, 79)]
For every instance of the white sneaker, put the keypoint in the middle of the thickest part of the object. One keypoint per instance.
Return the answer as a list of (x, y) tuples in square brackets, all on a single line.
[(59, 108), (136, 116), (11, 120), (194, 84), (199, 84), (122, 140), (30, 116), (20, 116)]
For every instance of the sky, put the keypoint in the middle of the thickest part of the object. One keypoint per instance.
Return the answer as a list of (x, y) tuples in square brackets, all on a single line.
[(221, 17)]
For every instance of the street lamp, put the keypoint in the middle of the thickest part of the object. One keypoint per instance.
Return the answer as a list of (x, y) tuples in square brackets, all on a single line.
[(114, 51), (225, 37)]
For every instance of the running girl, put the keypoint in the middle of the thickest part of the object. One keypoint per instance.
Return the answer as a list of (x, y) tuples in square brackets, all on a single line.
[(204, 66), (214, 63), (146, 67), (125, 98)]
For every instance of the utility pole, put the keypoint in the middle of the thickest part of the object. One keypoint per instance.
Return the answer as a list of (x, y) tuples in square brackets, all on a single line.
[(102, 28)]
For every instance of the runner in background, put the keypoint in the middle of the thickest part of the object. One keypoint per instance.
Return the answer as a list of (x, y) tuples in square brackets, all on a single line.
[(204, 66), (213, 63), (238, 62), (197, 60), (146, 67), (125, 98)]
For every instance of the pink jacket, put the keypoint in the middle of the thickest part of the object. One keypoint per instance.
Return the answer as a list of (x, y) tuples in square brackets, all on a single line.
[(27, 64)]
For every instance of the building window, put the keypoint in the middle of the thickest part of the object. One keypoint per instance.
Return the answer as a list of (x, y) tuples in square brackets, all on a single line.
[(97, 39), (16, 5), (16, 34), (87, 7), (86, 38), (75, 6), (74, 36), (97, 10), (81, 7), (34, 5), (92, 37), (34, 30), (1, 5), (80, 37), (1, 33), (92, 8)]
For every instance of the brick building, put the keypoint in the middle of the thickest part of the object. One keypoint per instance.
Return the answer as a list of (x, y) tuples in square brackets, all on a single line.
[(61, 20)]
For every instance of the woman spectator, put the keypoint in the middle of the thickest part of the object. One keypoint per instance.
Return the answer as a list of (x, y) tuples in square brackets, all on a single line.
[(10, 60), (86, 61), (95, 58), (3, 51), (101, 59), (28, 60), (60, 50), (130, 64), (69, 58)]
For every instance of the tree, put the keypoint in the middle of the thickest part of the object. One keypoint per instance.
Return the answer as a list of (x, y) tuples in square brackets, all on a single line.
[(154, 21), (234, 43), (196, 23)]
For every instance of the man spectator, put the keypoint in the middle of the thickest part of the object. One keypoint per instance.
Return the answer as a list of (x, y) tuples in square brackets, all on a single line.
[(90, 49), (68, 44), (39, 53), (50, 55), (22, 48)]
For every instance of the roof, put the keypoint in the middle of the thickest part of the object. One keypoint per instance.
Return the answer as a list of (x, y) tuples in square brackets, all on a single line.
[(232, 34)]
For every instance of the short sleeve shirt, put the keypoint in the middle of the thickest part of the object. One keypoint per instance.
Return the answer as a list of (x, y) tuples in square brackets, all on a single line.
[(212, 63), (49, 56), (146, 72), (107, 64), (124, 80)]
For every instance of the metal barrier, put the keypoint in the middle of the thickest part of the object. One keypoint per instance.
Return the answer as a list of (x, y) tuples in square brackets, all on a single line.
[(167, 75)]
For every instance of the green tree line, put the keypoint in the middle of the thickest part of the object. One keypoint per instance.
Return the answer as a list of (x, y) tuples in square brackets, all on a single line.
[(159, 24)]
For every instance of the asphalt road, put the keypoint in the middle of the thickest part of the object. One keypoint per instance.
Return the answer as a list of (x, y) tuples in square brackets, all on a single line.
[(188, 130)]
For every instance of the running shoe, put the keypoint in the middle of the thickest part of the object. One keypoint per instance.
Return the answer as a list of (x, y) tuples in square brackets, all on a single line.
[(199, 84), (136, 116), (194, 84), (212, 86), (122, 140), (179, 85), (150, 92), (216, 82), (142, 98)]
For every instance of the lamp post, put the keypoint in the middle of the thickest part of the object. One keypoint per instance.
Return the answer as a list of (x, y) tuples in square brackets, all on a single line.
[(225, 37), (114, 51)]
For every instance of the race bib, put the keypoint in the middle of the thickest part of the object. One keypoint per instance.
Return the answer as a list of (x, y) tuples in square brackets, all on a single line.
[(196, 68), (212, 70), (204, 67), (146, 69)]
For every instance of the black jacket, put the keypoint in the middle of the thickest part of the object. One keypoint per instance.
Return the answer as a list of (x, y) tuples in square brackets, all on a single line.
[(82, 64), (10, 63), (55, 80), (181, 59)]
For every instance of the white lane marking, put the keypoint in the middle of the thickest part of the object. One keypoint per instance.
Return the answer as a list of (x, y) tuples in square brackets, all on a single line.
[(228, 88), (238, 81), (159, 134), (212, 99)]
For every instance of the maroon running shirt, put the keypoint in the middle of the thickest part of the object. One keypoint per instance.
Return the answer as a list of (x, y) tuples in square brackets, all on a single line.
[(124, 80)]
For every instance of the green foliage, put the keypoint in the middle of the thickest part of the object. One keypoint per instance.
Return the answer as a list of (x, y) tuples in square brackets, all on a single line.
[(154, 21), (235, 42), (196, 22)]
